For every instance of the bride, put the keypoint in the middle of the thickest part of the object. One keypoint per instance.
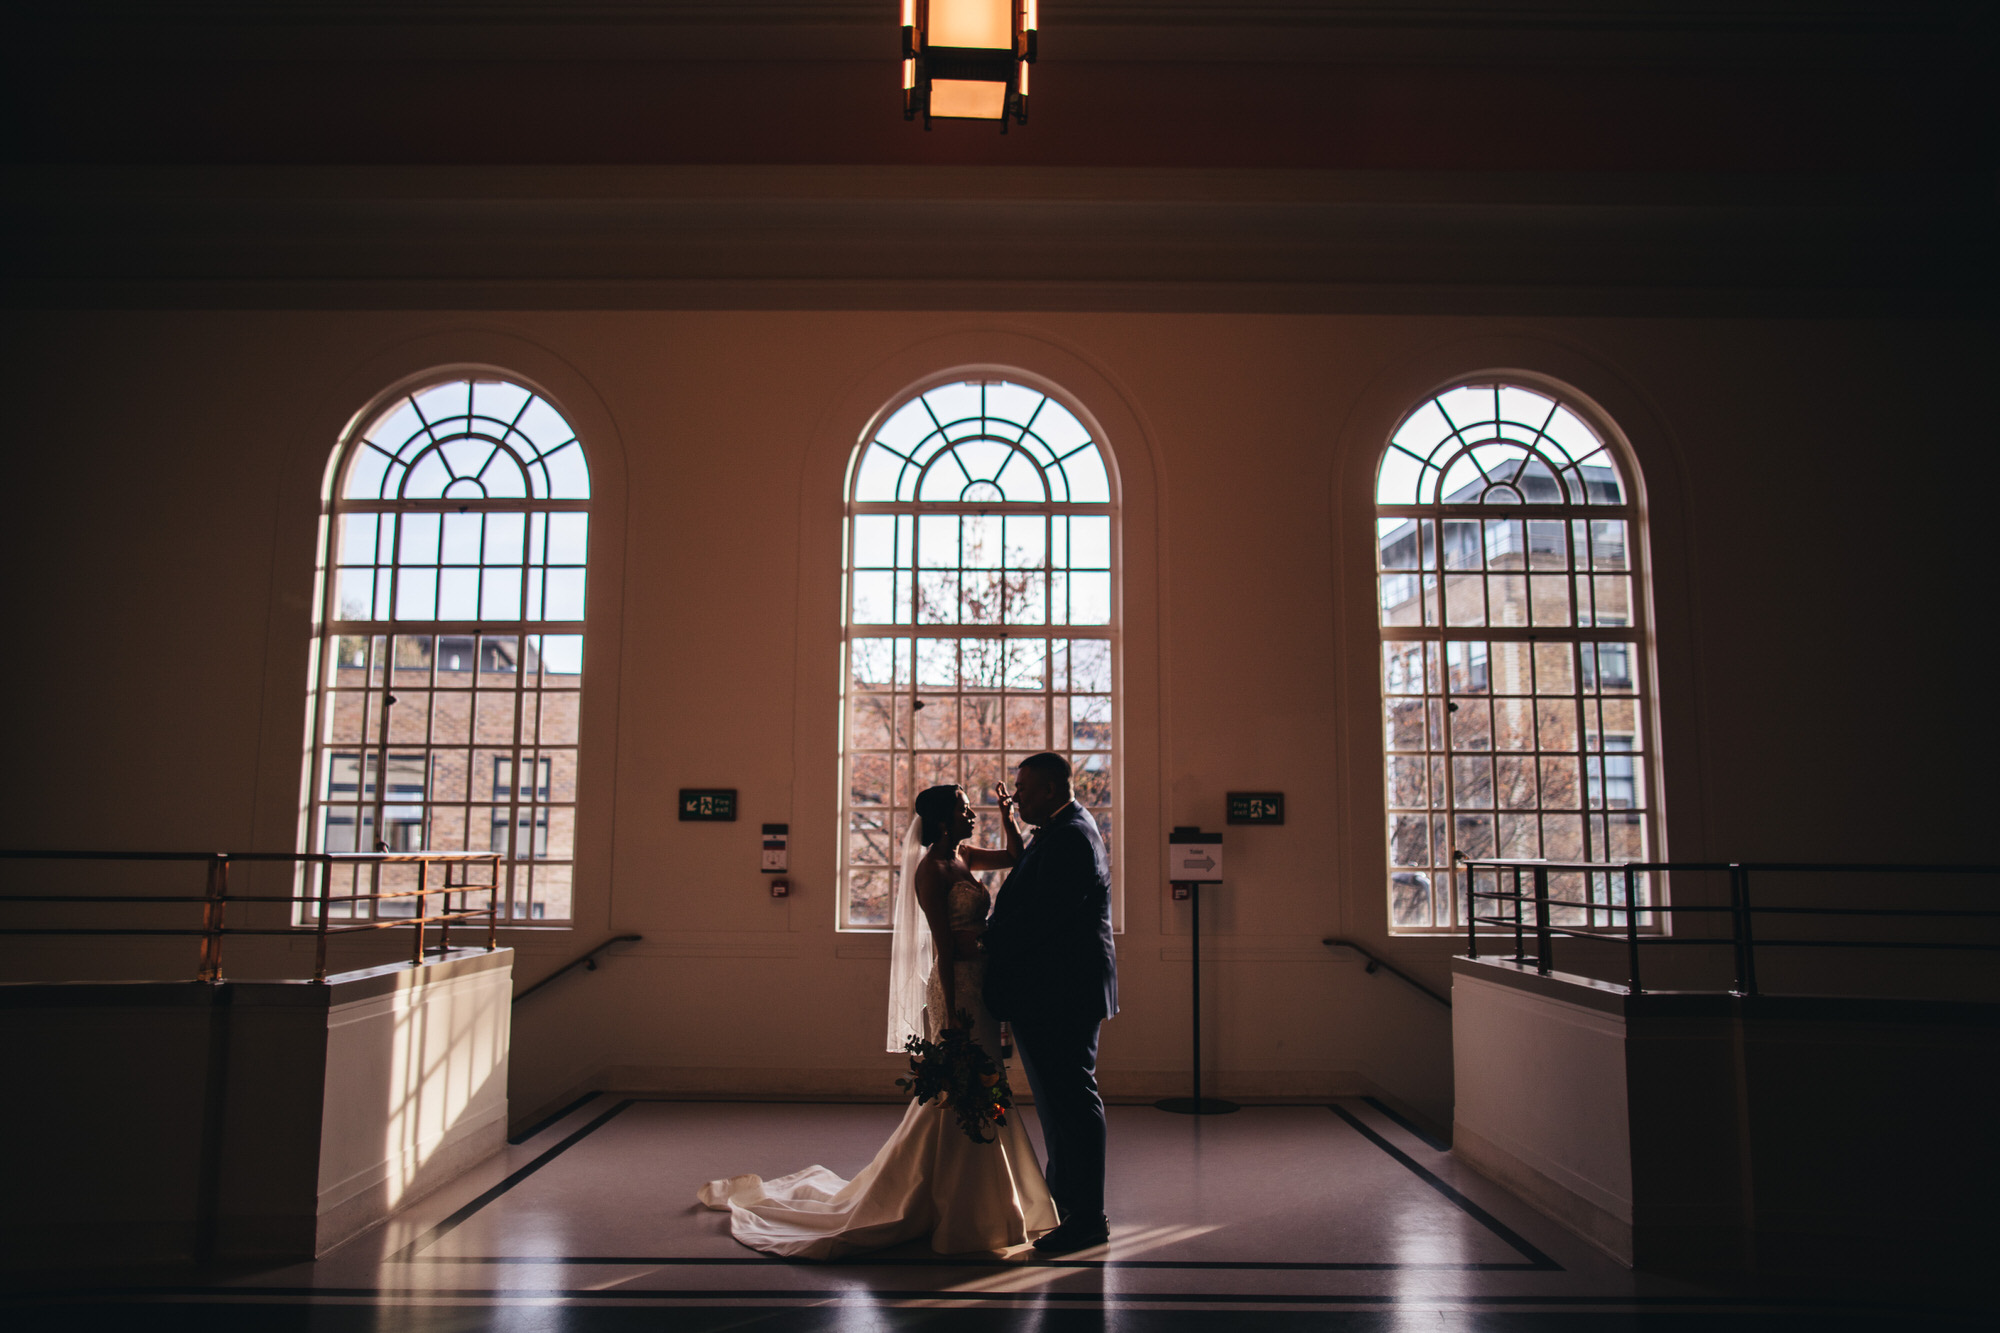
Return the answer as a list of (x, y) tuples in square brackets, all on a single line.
[(929, 1178)]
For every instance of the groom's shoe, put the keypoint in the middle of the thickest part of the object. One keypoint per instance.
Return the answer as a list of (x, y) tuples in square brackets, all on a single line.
[(1078, 1233)]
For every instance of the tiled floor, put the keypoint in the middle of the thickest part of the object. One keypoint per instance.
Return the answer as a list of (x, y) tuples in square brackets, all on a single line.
[(1272, 1218)]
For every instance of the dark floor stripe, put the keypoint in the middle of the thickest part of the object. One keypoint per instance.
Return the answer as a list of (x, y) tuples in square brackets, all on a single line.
[(450, 1224), (1471, 1209), (1430, 1140), (542, 1124)]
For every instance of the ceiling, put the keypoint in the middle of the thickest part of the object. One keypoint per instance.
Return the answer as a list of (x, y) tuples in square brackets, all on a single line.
[(1581, 153)]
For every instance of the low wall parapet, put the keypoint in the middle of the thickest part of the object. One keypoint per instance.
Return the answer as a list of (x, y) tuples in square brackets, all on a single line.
[(169, 1121), (1720, 1131)]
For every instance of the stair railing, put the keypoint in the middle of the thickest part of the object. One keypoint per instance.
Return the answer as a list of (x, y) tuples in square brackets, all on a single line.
[(1744, 938), (586, 960), (215, 901)]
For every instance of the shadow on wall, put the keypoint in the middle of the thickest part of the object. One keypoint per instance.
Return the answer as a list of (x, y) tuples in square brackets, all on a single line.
[(1407, 1054)]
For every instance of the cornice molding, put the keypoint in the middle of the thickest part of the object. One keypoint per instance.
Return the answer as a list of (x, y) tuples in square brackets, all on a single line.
[(1700, 31), (1719, 14), (946, 182), (984, 238)]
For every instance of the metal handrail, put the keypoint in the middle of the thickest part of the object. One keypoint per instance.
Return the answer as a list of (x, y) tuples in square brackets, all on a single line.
[(586, 960), (1387, 966), (1742, 937), (215, 901)]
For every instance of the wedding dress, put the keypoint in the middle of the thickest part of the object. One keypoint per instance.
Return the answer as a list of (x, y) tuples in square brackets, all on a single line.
[(929, 1178)]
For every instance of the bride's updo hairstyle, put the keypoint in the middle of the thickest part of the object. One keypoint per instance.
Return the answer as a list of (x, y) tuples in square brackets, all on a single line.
[(934, 806)]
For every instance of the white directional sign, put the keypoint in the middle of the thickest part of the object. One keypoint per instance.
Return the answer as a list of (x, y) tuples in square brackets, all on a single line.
[(1194, 857)]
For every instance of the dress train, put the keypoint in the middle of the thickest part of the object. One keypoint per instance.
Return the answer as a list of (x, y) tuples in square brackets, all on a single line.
[(927, 1179)]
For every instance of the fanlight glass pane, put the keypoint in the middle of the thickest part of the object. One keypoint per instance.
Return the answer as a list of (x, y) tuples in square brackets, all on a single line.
[(1084, 470), (467, 456), (1569, 438), (427, 478), (1525, 406), (1016, 402), (1021, 481), (905, 427), (954, 404), (443, 402), (468, 440), (981, 459), (564, 476), (996, 443), (1458, 446), (402, 432)]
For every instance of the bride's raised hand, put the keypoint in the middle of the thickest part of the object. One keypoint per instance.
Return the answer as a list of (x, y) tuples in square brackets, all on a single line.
[(1005, 798)]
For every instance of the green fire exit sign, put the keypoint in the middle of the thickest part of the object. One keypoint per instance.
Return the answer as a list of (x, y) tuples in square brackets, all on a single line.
[(1256, 807), (716, 804)]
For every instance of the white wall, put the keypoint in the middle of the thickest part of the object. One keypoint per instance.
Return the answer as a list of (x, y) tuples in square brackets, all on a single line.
[(1542, 1104), (161, 524)]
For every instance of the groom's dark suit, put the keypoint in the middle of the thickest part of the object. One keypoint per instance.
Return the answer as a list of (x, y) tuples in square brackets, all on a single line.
[(1051, 973)]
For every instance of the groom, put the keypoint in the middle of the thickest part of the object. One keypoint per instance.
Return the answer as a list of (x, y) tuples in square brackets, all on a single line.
[(1050, 972)]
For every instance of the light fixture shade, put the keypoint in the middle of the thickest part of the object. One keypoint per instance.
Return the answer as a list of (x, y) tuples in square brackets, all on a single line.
[(967, 59), (968, 99), (972, 23)]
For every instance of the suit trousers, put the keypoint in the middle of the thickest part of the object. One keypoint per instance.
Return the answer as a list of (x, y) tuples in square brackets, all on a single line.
[(1060, 1056)]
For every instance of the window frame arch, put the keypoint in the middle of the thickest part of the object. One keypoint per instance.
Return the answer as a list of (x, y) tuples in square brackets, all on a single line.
[(527, 664), (1592, 691), (1099, 681)]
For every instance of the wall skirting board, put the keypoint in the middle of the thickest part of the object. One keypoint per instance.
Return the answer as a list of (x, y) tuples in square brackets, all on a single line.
[(375, 1194), (1599, 1226)]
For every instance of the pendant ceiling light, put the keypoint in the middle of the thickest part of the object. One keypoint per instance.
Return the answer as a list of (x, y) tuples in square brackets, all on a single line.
[(967, 59)]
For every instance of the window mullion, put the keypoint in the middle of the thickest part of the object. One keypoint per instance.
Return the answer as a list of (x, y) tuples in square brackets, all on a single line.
[(512, 842), (1448, 854), (1580, 587), (317, 761), (1049, 685), (1644, 719), (381, 755)]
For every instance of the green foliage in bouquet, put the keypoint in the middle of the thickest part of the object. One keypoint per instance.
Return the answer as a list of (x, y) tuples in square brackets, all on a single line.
[(956, 1070)]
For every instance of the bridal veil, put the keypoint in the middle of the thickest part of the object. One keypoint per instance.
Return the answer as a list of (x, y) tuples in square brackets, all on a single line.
[(910, 946)]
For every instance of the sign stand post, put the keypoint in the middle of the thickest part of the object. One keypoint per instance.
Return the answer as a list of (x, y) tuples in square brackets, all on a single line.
[(1193, 852)]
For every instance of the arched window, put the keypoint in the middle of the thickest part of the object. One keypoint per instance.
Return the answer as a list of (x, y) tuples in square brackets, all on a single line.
[(450, 661), (981, 595), (1515, 697)]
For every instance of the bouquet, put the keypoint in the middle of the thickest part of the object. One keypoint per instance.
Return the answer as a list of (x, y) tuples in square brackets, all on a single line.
[(956, 1070)]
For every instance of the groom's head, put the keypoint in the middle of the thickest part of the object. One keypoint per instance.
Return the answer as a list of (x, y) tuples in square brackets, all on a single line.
[(1041, 787)]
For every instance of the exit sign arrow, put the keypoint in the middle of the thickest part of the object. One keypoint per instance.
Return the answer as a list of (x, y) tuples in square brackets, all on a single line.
[(708, 804)]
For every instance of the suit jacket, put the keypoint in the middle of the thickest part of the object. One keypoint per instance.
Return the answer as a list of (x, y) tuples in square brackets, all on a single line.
[(1048, 943)]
